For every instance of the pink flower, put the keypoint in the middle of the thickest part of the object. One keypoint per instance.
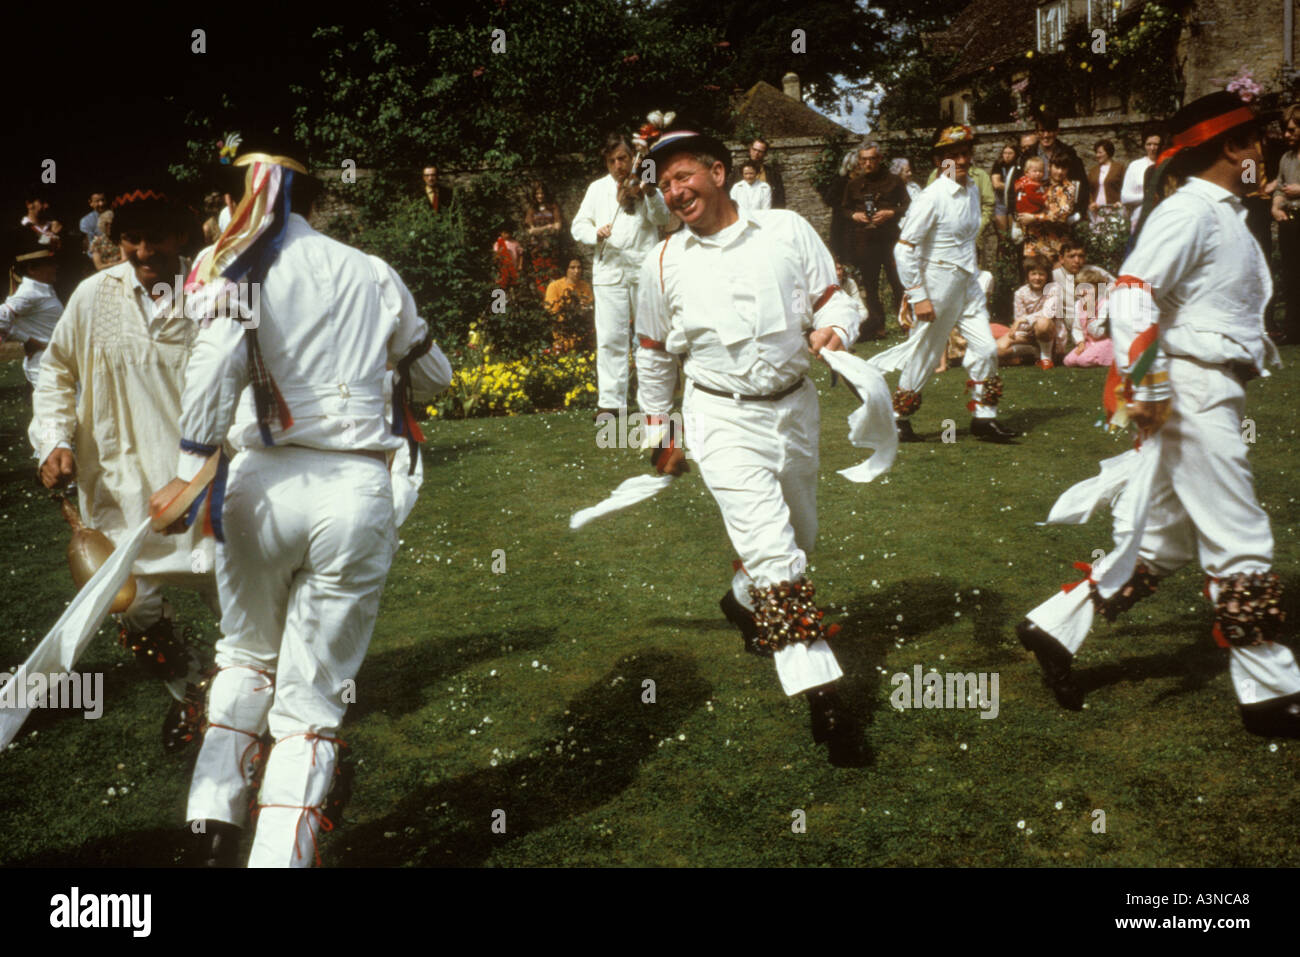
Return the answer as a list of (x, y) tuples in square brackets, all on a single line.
[(632, 58), (479, 71)]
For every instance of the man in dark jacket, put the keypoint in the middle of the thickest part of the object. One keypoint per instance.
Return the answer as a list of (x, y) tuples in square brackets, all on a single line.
[(1049, 145), (874, 203)]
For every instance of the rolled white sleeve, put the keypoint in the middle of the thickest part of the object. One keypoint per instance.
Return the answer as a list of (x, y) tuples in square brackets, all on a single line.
[(920, 219), (214, 379), (838, 311), (54, 403), (583, 228), (431, 372), (656, 209), (656, 368)]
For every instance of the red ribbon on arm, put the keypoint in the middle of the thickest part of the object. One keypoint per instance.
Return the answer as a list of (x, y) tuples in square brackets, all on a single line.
[(1087, 577)]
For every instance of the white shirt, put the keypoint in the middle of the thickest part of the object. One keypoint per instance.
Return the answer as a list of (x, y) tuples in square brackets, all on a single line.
[(1208, 283), (1131, 193), (939, 230), (736, 305), (618, 258), (755, 195), (31, 312), (332, 318), (1102, 171)]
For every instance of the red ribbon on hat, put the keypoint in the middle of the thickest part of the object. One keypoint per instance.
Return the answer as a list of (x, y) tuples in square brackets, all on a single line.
[(1207, 130)]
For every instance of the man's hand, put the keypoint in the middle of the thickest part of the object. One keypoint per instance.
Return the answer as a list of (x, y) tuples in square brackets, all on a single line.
[(1291, 189), (1280, 215), (882, 216), (604, 231), (824, 339), (923, 311), (59, 469), (860, 218), (164, 497), (1148, 416)]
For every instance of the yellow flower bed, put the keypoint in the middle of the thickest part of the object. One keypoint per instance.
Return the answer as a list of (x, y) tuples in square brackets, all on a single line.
[(541, 382)]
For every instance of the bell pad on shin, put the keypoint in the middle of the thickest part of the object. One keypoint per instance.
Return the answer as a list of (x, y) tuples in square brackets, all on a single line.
[(906, 402), (1248, 610), (158, 649), (785, 613)]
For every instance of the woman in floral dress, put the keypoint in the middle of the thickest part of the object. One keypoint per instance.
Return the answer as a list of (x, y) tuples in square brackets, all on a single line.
[(1045, 231)]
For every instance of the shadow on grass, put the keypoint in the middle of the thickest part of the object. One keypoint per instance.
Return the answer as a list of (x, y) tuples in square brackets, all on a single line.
[(404, 678), (450, 823), (1026, 420), (436, 455)]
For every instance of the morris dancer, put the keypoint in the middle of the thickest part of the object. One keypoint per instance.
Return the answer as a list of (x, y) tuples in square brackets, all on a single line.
[(733, 296), (29, 314), (307, 522), (618, 216), (106, 407), (936, 262), (1188, 325)]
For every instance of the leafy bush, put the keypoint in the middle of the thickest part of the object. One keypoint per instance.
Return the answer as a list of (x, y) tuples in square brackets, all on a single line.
[(545, 381)]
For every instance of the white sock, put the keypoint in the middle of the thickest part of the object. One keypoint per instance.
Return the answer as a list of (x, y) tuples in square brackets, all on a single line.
[(1045, 350)]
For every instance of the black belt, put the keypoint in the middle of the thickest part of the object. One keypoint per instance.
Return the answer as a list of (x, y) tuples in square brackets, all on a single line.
[(751, 398)]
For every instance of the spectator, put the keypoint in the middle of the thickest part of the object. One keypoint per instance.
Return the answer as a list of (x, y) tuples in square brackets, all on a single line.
[(103, 251), (751, 193), (1134, 187), (1091, 332), (571, 300), (1046, 231), (1030, 191), (213, 204), (875, 201), (768, 173), (1028, 146), (1105, 183), (1003, 175), (1286, 210), (38, 218), (543, 236), (1072, 263), (1036, 321), (509, 257), (902, 168), (90, 222), (1051, 146), (833, 196), (438, 197)]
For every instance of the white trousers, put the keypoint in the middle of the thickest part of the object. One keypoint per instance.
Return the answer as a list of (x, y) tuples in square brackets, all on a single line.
[(309, 539), (958, 300), (615, 312), (759, 459), (1203, 506)]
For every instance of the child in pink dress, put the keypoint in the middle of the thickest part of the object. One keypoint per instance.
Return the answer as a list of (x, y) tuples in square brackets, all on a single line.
[(1090, 321)]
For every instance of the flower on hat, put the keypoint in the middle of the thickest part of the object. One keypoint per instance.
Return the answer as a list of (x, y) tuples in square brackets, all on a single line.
[(228, 147), (1244, 85), (652, 128)]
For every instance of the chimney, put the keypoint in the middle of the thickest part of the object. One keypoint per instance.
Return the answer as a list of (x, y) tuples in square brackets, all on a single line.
[(790, 84)]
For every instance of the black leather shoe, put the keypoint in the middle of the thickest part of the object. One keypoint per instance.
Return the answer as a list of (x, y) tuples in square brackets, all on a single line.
[(217, 845), (184, 721), (1275, 718), (1055, 660), (743, 618), (905, 433), (991, 430)]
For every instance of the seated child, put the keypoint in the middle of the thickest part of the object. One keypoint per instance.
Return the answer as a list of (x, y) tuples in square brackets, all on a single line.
[(1036, 307), (1091, 332)]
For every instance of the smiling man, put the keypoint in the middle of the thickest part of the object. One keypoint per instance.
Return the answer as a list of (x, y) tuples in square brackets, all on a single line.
[(744, 301), (107, 406)]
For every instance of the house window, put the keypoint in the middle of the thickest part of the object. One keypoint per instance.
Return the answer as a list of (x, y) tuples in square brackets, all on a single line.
[(1104, 13), (1051, 25)]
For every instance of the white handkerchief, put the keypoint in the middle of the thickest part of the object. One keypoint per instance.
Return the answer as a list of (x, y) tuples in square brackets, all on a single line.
[(871, 425), (633, 490)]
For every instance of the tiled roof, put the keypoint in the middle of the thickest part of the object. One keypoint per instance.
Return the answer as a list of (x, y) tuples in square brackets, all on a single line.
[(777, 115)]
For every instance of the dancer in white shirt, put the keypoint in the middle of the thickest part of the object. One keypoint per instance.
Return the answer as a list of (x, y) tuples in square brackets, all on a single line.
[(306, 513), (29, 314), (743, 300), (619, 216), (936, 263), (1187, 318)]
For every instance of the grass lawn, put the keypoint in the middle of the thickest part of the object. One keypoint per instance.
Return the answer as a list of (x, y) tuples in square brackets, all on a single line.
[(522, 690)]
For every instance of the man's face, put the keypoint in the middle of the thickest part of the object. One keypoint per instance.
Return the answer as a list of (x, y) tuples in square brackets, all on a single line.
[(1072, 261), (869, 160), (1046, 138), (1028, 143), (757, 151), (1292, 134), (574, 272), (154, 254), (956, 160), (619, 163), (1151, 146), (694, 192), (431, 176), (97, 202)]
